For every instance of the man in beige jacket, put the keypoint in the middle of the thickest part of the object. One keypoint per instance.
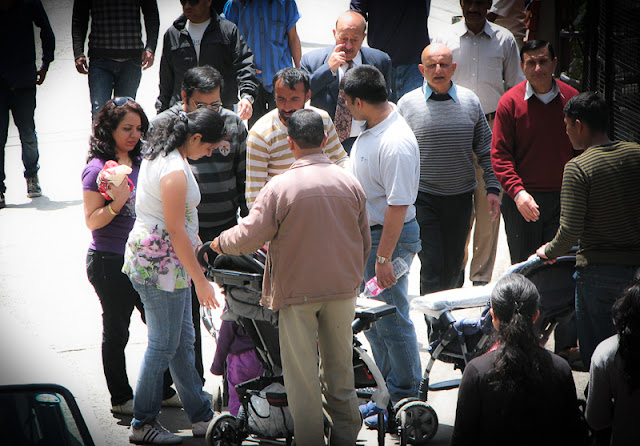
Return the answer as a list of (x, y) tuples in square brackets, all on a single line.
[(314, 214)]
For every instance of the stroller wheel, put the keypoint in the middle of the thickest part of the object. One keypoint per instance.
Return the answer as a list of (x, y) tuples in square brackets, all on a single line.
[(417, 423), (223, 431), (402, 402)]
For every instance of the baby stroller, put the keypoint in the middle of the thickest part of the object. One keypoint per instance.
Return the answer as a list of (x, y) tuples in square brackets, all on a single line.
[(264, 413), (459, 341)]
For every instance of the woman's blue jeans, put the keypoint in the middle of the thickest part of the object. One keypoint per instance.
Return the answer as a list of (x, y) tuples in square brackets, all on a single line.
[(393, 338), (171, 339)]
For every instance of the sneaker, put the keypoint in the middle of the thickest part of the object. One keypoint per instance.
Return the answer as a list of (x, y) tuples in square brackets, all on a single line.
[(33, 187), (174, 401), (153, 433), (3, 204), (200, 428), (369, 409), (125, 408), (372, 421)]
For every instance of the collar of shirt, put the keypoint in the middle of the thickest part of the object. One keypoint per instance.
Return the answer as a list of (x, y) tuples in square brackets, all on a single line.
[(460, 29), (356, 61), (453, 91), (314, 158), (545, 98), (378, 129)]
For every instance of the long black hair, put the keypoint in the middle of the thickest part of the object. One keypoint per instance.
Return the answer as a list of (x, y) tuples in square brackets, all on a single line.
[(626, 319), (165, 138), (520, 361), (101, 144)]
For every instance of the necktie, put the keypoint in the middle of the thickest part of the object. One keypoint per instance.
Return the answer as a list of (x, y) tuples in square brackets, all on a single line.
[(342, 119)]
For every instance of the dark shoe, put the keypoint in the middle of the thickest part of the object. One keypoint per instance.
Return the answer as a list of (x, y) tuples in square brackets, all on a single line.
[(33, 187), (479, 283), (372, 421), (3, 204)]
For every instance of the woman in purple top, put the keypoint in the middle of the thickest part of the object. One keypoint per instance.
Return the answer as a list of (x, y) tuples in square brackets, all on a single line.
[(117, 133)]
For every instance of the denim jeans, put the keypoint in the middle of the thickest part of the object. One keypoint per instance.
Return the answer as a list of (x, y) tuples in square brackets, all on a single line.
[(109, 78), (171, 338), (22, 103), (597, 288), (393, 338), (405, 78)]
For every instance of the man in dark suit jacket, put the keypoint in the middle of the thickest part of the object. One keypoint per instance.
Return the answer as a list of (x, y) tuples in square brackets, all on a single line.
[(326, 67)]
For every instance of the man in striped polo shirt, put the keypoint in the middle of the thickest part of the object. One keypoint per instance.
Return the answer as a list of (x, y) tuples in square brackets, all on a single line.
[(268, 151), (600, 210), (450, 127)]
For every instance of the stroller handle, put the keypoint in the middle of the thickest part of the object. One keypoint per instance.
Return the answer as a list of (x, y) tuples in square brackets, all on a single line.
[(206, 247)]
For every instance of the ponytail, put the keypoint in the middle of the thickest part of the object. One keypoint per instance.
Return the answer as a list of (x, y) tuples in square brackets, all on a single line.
[(166, 138), (520, 360)]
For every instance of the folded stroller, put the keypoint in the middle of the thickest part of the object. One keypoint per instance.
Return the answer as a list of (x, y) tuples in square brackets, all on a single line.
[(264, 414), (458, 342)]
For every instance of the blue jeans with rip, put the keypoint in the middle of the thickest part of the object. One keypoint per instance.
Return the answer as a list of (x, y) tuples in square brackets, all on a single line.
[(597, 288), (111, 78), (393, 338), (22, 103), (171, 339)]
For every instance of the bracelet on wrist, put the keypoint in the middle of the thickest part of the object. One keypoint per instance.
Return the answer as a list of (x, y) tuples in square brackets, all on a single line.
[(111, 211)]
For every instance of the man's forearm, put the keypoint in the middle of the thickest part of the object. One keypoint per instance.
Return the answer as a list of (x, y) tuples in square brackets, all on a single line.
[(391, 230)]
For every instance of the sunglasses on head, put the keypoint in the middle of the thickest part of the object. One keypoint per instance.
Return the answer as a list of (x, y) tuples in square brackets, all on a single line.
[(120, 101)]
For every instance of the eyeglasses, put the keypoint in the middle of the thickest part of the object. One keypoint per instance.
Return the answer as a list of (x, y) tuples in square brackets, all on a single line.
[(191, 2), (215, 106), (120, 101)]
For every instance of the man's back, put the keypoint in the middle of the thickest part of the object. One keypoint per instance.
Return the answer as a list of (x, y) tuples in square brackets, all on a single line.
[(603, 186)]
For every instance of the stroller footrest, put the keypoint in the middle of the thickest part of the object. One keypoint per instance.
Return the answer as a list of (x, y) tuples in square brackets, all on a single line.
[(445, 385)]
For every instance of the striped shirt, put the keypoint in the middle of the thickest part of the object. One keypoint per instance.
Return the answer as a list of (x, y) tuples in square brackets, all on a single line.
[(600, 206), (449, 132), (220, 177), (265, 25), (268, 151)]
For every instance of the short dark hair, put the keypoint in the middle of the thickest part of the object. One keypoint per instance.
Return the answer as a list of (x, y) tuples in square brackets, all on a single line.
[(306, 128), (291, 77), (533, 45), (365, 82), (591, 109), (204, 79)]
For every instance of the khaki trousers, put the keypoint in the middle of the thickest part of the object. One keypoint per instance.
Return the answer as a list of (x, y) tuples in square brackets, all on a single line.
[(316, 346), (485, 231)]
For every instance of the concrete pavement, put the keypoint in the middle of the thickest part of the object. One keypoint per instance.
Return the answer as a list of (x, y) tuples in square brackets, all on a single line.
[(45, 297)]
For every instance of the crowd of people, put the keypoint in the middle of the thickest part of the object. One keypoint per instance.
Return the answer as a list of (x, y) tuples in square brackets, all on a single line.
[(351, 157)]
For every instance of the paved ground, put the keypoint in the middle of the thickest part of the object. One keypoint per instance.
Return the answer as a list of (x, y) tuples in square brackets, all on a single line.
[(49, 314)]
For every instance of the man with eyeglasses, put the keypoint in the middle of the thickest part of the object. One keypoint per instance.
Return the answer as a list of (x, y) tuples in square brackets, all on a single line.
[(220, 176), (201, 37)]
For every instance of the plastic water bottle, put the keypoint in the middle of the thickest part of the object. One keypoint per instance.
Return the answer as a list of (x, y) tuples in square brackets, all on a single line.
[(372, 289)]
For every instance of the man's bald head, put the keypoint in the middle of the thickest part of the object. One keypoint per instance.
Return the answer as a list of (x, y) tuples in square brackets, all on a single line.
[(437, 67), (350, 33)]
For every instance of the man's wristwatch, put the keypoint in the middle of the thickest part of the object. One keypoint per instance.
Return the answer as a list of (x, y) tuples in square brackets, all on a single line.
[(381, 259), (249, 98)]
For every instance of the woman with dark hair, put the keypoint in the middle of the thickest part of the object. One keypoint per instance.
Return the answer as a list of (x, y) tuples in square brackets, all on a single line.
[(614, 383), (117, 136), (160, 260), (519, 392)]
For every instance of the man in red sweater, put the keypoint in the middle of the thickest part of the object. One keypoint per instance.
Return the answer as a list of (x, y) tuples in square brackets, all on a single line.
[(529, 149)]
